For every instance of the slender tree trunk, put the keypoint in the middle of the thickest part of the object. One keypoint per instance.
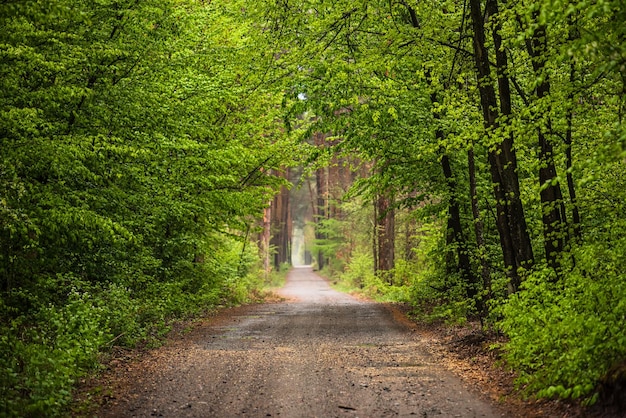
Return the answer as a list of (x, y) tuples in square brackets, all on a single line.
[(478, 225), (321, 182), (375, 236), (386, 232), (553, 217), (321, 212), (571, 188), (281, 217), (517, 220), (455, 229), (576, 221), (265, 239), (409, 231), (336, 185), (454, 234), (510, 218)]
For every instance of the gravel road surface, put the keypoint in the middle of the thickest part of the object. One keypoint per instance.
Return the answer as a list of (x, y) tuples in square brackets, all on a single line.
[(319, 354)]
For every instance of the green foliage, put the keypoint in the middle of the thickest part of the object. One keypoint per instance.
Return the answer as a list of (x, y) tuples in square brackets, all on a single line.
[(136, 140), (45, 352), (41, 359), (358, 276), (564, 337), (275, 279), (134, 161), (435, 293), (359, 273)]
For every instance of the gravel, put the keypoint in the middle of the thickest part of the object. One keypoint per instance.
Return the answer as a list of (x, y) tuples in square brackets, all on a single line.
[(319, 353)]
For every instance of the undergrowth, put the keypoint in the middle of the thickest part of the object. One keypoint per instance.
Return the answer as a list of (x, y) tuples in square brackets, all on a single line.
[(44, 353), (358, 277), (565, 335)]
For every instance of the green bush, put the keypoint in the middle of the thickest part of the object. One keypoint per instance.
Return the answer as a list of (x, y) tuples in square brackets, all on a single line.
[(42, 356), (44, 352), (359, 276), (359, 272), (565, 336)]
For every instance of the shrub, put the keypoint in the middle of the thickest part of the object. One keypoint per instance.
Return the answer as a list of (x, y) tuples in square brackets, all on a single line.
[(565, 336), (359, 272), (42, 356)]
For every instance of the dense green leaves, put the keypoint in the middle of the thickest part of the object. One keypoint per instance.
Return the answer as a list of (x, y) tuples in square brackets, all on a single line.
[(136, 138)]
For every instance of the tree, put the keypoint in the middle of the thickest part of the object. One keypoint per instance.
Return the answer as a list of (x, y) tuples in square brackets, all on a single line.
[(137, 140), (282, 224), (511, 221)]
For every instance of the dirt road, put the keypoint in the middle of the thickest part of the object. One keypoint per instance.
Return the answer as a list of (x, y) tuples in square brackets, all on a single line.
[(320, 354)]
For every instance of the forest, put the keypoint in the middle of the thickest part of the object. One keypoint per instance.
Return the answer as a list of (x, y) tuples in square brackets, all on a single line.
[(160, 159)]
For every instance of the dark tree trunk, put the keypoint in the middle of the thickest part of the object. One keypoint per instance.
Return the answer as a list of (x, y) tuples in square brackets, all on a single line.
[(510, 218), (321, 212), (409, 239), (576, 222), (553, 216), (516, 217), (281, 226), (455, 229), (265, 238), (321, 182), (571, 188), (454, 233), (385, 231), (478, 224), (375, 236)]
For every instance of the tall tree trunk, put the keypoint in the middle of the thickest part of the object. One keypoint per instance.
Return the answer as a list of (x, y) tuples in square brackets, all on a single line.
[(454, 233), (385, 228), (454, 226), (510, 218), (478, 225), (571, 188), (553, 216), (375, 236), (410, 226), (281, 228), (455, 229), (321, 183), (517, 220), (265, 239)]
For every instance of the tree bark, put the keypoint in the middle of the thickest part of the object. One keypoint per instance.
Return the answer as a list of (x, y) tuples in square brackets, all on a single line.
[(478, 225), (552, 211), (281, 228), (410, 226), (510, 218), (321, 183), (375, 236), (265, 239), (385, 229), (455, 229), (571, 188), (576, 221)]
